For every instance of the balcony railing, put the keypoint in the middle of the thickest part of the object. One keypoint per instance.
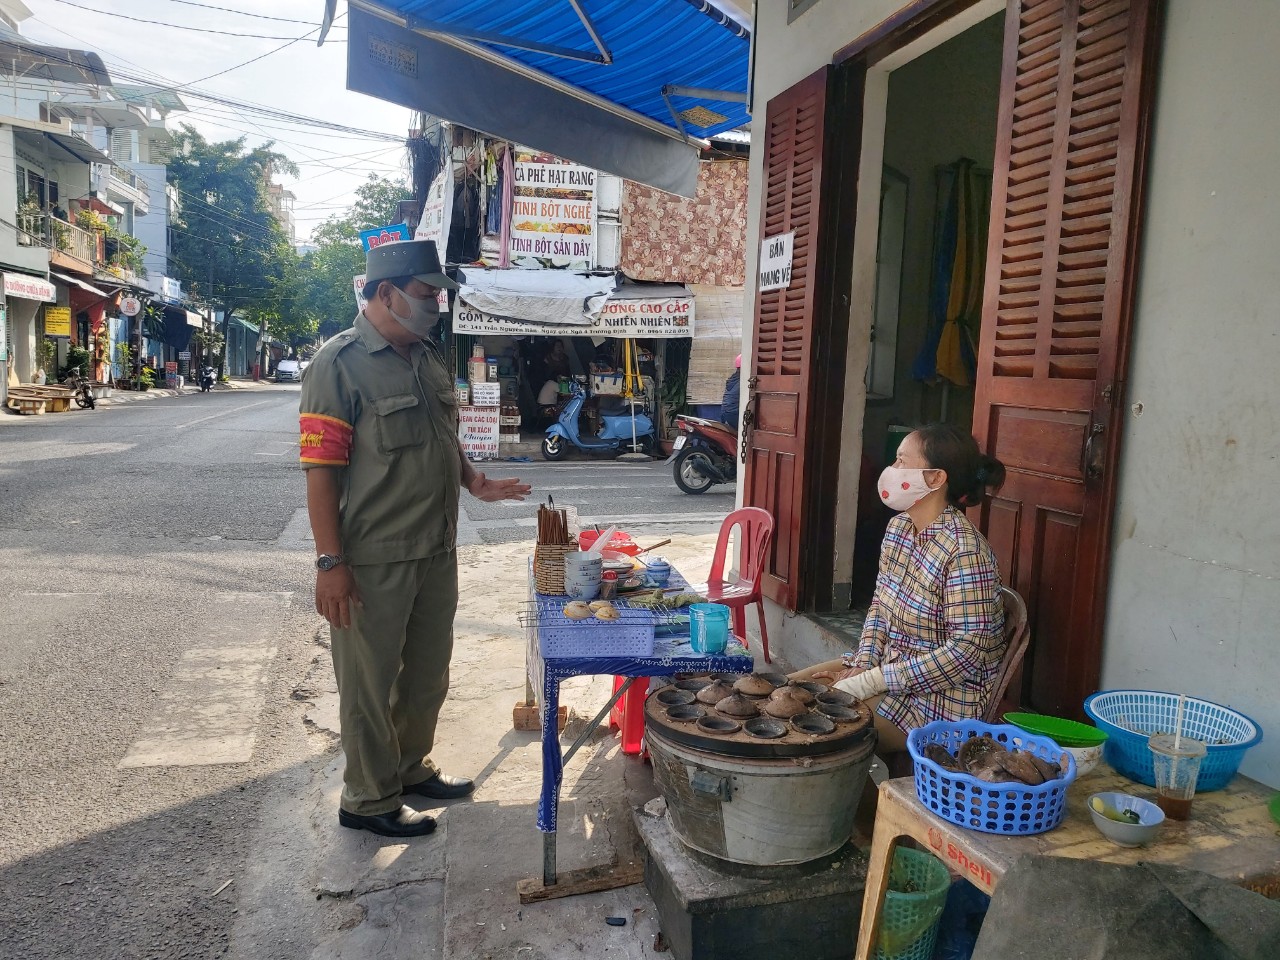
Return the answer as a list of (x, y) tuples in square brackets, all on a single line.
[(44, 229), (130, 179)]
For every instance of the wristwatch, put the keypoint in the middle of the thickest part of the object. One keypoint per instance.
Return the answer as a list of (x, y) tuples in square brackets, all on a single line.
[(327, 561)]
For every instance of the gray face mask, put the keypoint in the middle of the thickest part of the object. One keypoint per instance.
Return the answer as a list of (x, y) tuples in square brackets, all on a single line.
[(424, 315)]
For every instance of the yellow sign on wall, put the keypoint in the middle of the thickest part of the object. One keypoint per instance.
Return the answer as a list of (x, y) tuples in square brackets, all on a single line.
[(57, 321)]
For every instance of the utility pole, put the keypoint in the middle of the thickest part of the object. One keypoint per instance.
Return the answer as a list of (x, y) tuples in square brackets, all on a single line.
[(208, 303)]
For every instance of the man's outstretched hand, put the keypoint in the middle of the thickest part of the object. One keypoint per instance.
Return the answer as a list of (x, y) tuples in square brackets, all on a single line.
[(490, 491)]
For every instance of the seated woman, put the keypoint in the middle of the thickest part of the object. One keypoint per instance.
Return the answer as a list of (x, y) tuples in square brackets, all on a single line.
[(934, 635)]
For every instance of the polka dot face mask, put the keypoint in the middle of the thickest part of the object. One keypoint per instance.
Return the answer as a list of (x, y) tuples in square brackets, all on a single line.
[(901, 489)]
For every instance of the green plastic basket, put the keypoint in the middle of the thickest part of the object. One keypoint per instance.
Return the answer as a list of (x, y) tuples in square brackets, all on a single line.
[(1274, 807), (909, 921), (1065, 733)]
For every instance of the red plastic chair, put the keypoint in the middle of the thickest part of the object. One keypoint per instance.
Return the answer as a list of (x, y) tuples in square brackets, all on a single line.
[(757, 532)]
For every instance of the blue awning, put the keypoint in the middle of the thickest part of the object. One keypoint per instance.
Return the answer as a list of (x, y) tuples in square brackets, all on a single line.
[(617, 85)]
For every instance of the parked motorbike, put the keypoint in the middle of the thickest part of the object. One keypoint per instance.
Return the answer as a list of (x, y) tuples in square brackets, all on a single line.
[(703, 455), (616, 430), (82, 387), (207, 379)]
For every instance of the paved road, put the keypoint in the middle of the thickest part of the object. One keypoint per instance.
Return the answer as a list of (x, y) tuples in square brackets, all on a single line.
[(158, 618)]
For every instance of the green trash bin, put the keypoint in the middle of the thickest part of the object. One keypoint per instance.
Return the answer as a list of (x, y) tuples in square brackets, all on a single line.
[(918, 885)]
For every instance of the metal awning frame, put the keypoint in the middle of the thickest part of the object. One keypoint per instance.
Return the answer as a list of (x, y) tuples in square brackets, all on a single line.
[(454, 39), (441, 30)]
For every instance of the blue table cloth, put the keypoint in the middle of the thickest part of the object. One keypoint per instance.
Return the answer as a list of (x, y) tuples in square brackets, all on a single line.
[(671, 655)]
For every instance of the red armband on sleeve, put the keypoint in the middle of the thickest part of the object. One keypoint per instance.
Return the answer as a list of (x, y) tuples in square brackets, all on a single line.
[(324, 441)]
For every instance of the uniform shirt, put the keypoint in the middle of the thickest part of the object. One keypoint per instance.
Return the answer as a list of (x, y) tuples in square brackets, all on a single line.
[(390, 426), (936, 623)]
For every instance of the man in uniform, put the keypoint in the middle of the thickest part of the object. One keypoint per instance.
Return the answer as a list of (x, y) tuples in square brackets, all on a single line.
[(384, 470)]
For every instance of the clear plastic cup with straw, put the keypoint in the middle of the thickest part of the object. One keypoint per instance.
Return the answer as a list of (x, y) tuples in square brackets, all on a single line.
[(1176, 760)]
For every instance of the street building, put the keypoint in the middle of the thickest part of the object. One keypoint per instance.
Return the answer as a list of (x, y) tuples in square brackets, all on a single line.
[(87, 214)]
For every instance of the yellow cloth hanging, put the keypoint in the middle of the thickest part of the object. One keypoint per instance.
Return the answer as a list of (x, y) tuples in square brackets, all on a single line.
[(631, 383)]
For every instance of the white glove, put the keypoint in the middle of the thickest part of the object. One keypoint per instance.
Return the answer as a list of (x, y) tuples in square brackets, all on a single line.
[(864, 686)]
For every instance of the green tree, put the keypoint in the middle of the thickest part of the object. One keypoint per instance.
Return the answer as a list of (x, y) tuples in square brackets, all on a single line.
[(326, 274), (227, 247)]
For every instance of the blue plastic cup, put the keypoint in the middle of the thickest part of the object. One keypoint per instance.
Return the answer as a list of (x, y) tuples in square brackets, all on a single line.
[(709, 628)]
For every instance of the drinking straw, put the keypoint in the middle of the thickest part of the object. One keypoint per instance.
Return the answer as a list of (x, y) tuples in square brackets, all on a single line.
[(607, 537), (1177, 741)]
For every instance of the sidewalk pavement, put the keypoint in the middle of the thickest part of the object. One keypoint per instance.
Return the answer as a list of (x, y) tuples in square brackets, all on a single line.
[(453, 894), (159, 393)]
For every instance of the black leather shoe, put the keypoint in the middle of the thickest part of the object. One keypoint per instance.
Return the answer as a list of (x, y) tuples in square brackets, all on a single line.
[(405, 822), (443, 787)]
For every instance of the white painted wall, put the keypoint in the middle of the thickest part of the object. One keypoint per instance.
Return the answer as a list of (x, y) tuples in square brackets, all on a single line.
[(1197, 538), (153, 229), (34, 259)]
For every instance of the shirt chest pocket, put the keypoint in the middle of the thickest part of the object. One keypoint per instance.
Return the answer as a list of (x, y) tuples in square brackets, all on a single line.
[(401, 422), (448, 401)]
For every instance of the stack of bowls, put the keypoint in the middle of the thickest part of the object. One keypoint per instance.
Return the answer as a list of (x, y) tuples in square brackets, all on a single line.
[(582, 574)]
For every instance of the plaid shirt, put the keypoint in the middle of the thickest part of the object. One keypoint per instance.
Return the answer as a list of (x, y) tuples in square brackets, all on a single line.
[(936, 623)]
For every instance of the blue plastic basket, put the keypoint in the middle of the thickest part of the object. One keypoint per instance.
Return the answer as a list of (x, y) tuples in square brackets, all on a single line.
[(1132, 717), (1015, 809)]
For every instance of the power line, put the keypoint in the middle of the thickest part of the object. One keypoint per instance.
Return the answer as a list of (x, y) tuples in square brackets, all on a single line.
[(246, 13), (179, 26), (235, 105)]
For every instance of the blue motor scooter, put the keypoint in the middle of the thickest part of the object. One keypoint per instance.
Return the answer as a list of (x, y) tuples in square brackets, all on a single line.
[(616, 431)]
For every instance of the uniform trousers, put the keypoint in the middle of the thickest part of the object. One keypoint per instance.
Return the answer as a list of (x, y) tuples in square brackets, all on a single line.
[(392, 666)]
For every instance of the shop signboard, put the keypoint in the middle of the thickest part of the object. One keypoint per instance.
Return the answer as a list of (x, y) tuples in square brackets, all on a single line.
[(130, 306), (361, 302), (378, 236), (184, 354), (57, 321), (478, 429), (486, 394), (27, 287), (665, 318), (553, 213), (437, 216), (775, 261)]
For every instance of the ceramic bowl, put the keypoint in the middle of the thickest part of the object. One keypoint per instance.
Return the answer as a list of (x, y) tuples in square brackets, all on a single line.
[(1128, 834), (1087, 758)]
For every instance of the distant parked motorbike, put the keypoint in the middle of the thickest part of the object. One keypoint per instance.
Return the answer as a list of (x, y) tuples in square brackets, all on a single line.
[(703, 455), (82, 387), (207, 379), (616, 430)]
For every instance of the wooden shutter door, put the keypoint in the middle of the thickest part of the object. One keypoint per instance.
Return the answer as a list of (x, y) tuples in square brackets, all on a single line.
[(1074, 116), (781, 381)]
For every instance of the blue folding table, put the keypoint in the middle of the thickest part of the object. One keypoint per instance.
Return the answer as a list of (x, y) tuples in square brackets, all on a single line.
[(672, 654)]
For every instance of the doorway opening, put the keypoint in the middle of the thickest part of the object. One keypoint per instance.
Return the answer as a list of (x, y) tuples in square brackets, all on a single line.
[(928, 149)]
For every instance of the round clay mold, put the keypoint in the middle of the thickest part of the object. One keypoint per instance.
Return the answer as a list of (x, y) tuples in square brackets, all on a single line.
[(814, 724), (686, 713), (718, 726), (671, 697), (765, 728)]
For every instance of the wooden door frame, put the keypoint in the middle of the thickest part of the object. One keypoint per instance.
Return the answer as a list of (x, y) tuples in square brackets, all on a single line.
[(843, 150)]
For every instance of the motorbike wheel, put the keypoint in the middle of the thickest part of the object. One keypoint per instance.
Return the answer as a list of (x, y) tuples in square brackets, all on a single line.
[(81, 402), (554, 448), (686, 473)]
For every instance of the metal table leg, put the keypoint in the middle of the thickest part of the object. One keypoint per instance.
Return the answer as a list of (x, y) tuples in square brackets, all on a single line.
[(549, 839)]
